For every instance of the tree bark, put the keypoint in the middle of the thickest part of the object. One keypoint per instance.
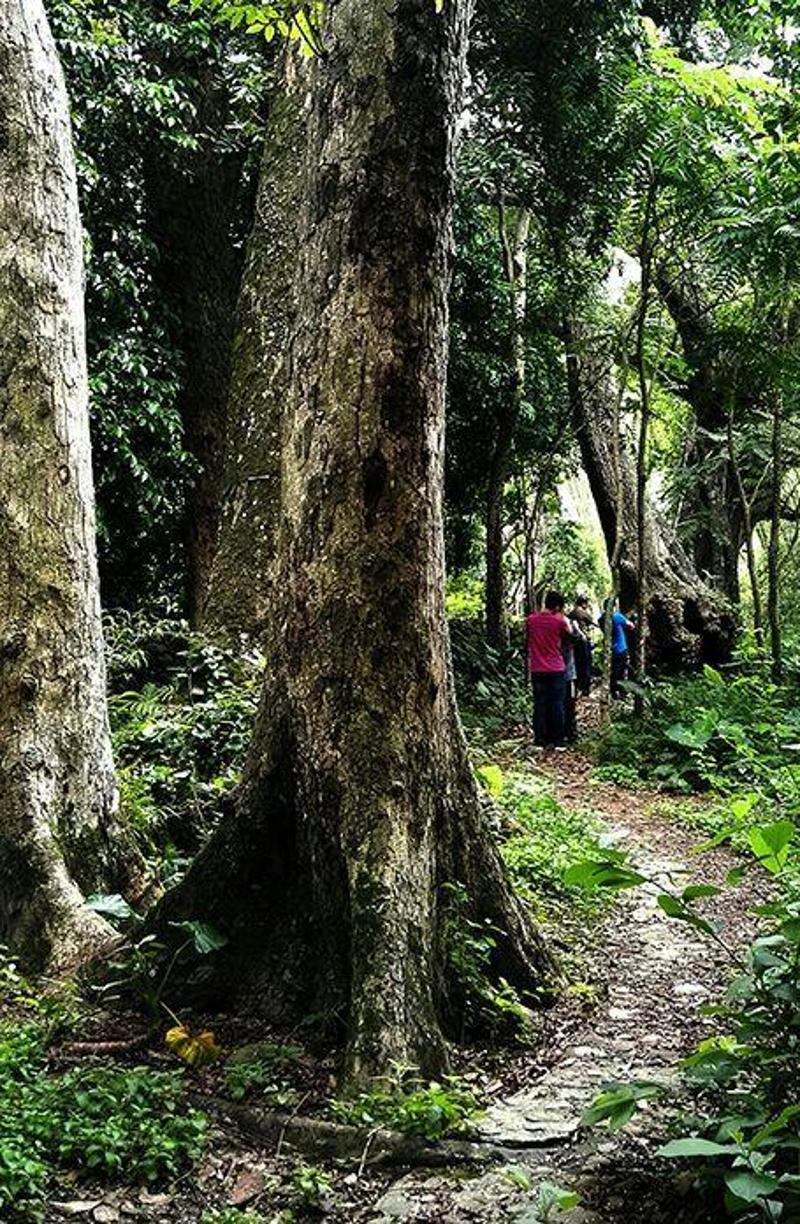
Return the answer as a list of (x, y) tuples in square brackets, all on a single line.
[(712, 510), (358, 804), (240, 582), (515, 266), (58, 798), (688, 623), (747, 521)]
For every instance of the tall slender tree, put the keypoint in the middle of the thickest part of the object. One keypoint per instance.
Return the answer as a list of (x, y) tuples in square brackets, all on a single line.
[(358, 804), (57, 789), (515, 269)]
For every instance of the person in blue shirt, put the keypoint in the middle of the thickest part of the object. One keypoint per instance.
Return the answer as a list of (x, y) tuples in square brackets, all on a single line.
[(620, 657)]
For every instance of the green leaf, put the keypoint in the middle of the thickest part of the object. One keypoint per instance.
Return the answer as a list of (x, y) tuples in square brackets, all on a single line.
[(689, 737), (205, 937), (673, 907), (777, 1124), (550, 1197), (699, 890), (110, 903), (750, 1186), (602, 873), (492, 778), (678, 1148), (616, 1103), (770, 844)]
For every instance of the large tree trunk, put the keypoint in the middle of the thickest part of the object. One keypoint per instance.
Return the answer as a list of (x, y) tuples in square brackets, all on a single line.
[(240, 582), (57, 789), (358, 804), (688, 623)]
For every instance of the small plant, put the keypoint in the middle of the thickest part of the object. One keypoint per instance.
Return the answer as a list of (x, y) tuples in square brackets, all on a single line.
[(552, 1199), (311, 1186), (181, 711), (244, 1079), (428, 1110)]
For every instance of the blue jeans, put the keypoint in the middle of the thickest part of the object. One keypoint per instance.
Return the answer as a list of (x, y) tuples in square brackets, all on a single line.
[(549, 694)]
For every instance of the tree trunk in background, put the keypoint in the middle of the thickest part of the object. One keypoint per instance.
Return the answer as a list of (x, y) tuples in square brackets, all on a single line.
[(240, 583), (649, 239), (515, 261), (200, 206), (711, 508), (688, 623), (57, 788), (773, 551), (358, 803), (747, 521)]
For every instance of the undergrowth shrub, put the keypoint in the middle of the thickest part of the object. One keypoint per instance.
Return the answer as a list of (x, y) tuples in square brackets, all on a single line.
[(113, 1123), (541, 839), (709, 732), (492, 685), (182, 710), (412, 1107)]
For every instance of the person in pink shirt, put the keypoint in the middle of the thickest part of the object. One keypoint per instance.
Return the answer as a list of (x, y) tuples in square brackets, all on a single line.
[(547, 632)]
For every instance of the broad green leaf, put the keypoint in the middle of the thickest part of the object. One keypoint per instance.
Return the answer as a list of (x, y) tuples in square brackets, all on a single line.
[(110, 903), (616, 1103), (602, 873), (770, 844), (205, 937), (677, 1148), (689, 737), (699, 890), (673, 907), (749, 1186), (777, 1124)]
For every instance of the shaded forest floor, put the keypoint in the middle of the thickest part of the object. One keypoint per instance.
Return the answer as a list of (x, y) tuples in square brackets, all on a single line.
[(630, 1015)]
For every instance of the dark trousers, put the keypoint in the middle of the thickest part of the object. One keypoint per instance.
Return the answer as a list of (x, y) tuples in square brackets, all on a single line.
[(549, 692), (619, 672), (583, 666), (571, 712)]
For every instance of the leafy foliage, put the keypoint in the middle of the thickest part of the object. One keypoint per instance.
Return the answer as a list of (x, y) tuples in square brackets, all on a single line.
[(259, 1073), (429, 1111), (705, 732), (492, 684), (180, 739), (138, 78), (130, 1123)]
